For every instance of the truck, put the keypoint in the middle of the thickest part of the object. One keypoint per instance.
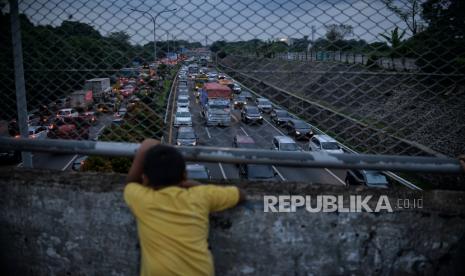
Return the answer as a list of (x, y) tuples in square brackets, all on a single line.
[(100, 88), (200, 80), (215, 102), (227, 82), (81, 98)]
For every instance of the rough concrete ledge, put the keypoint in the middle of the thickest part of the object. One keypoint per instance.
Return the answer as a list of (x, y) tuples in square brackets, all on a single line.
[(61, 223)]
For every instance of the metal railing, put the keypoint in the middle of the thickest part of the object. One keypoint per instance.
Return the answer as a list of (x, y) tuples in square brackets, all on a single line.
[(386, 90), (249, 156)]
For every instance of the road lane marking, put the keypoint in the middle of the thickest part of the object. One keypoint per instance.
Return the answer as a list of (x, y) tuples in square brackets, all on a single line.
[(279, 174), (277, 129), (208, 133), (335, 176), (222, 171), (234, 117), (69, 163), (243, 130)]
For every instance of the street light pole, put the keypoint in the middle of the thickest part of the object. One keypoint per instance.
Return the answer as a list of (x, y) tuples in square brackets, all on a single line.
[(154, 20)]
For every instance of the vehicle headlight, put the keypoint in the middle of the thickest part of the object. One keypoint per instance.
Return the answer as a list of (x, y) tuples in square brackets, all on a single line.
[(297, 132), (178, 143), (260, 117), (194, 143), (235, 102)]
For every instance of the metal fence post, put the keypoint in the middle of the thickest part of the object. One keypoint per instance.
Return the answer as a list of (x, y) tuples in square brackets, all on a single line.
[(21, 102)]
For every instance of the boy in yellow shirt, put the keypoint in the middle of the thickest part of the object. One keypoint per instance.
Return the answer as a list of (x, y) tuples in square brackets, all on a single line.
[(172, 213)]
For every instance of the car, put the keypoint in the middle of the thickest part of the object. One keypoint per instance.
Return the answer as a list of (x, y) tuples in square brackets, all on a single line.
[(105, 107), (299, 129), (38, 132), (252, 171), (239, 101), (182, 101), (128, 90), (182, 92), (117, 121), (182, 83), (198, 172), (248, 95), (279, 116), (285, 143), (324, 143), (33, 119), (372, 179), (182, 117), (251, 114), (120, 113), (89, 116), (186, 137), (69, 128), (67, 112), (236, 88), (264, 105), (79, 162)]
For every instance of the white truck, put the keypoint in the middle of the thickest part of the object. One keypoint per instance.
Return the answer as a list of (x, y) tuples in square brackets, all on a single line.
[(100, 88), (81, 99)]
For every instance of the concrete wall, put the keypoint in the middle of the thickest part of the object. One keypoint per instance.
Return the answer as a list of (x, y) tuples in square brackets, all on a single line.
[(61, 223)]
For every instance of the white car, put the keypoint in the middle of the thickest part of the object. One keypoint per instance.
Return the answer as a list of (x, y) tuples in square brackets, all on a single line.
[(324, 143), (285, 143), (67, 112), (264, 105), (182, 117), (183, 101), (38, 132)]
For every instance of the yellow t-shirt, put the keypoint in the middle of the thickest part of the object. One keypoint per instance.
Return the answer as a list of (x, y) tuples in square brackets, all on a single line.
[(172, 224)]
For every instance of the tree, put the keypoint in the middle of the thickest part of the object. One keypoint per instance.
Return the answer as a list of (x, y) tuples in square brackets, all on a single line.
[(441, 46), (120, 36), (72, 28), (409, 12), (336, 32), (394, 38), (217, 46)]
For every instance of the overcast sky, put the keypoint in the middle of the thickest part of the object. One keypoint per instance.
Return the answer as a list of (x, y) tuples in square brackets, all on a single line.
[(195, 20)]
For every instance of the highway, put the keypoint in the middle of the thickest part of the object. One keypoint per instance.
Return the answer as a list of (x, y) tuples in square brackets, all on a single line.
[(262, 134), (41, 160)]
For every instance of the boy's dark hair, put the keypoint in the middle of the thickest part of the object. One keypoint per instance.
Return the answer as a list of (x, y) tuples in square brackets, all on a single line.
[(164, 165)]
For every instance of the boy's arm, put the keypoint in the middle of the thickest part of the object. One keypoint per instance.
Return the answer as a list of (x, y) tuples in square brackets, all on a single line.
[(193, 183), (242, 196), (137, 167)]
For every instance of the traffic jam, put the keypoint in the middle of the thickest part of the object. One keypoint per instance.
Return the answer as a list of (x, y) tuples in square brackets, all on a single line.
[(81, 115), (212, 109)]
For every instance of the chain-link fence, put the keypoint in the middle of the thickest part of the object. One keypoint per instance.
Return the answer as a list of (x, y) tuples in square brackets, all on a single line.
[(368, 76)]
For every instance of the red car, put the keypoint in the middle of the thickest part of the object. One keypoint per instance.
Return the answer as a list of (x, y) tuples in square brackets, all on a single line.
[(69, 128), (89, 116), (128, 90)]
